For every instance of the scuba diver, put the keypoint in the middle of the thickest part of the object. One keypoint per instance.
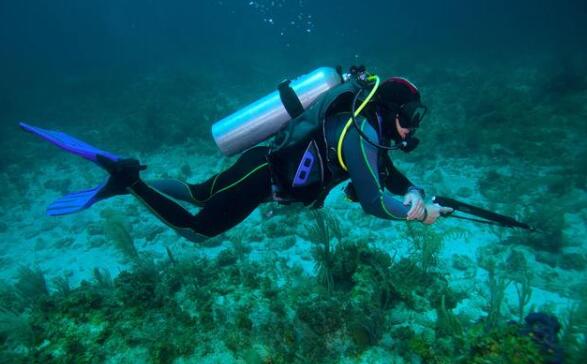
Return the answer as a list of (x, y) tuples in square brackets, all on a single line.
[(325, 142)]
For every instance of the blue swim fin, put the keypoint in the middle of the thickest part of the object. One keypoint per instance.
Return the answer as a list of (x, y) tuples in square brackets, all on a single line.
[(80, 200), (76, 201), (69, 143)]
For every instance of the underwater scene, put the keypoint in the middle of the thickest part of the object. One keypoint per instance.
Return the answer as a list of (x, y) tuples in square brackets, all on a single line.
[(416, 194)]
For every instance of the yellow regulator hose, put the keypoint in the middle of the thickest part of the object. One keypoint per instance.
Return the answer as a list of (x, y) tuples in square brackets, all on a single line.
[(350, 122)]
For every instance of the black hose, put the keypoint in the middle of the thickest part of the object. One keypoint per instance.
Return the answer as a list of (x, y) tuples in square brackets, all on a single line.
[(363, 135)]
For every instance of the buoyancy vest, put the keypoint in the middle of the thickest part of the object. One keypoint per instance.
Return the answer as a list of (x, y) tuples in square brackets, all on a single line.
[(303, 165)]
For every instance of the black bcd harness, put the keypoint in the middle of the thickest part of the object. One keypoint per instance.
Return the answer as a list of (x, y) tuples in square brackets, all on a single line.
[(300, 158)]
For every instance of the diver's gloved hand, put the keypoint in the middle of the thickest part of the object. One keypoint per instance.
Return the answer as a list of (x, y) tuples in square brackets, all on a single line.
[(123, 173), (417, 206), (433, 211)]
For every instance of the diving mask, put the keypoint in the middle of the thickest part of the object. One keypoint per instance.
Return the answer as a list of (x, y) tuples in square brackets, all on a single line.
[(411, 115)]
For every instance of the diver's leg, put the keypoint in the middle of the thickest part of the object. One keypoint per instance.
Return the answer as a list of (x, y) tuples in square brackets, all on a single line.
[(200, 193), (229, 198), (175, 189), (238, 192)]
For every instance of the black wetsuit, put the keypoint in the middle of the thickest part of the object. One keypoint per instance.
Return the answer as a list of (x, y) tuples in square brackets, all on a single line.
[(229, 197)]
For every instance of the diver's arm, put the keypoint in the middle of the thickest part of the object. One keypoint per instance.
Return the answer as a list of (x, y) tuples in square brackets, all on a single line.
[(395, 181), (399, 184), (361, 159)]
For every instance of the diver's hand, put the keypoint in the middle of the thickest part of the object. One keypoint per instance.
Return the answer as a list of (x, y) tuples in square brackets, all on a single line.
[(416, 201), (433, 211)]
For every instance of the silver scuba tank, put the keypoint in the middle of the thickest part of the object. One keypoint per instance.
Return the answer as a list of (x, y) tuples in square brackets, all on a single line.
[(266, 116)]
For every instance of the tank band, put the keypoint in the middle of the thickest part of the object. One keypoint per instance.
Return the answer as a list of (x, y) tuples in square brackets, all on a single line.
[(290, 100)]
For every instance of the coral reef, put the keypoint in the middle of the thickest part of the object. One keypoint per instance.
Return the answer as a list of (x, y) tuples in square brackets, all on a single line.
[(175, 308)]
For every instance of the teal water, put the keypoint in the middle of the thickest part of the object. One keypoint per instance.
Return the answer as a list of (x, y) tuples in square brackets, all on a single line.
[(506, 86)]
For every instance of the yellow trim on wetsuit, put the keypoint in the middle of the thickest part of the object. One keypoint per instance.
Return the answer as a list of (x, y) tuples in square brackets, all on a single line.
[(211, 194), (221, 190), (214, 184), (153, 211), (190, 192), (350, 121), (364, 155), (375, 177), (239, 181)]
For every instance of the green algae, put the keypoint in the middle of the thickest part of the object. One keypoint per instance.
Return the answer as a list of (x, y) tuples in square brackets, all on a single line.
[(176, 309)]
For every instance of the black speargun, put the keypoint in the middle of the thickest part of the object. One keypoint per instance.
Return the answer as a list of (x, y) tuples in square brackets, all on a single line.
[(487, 217)]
